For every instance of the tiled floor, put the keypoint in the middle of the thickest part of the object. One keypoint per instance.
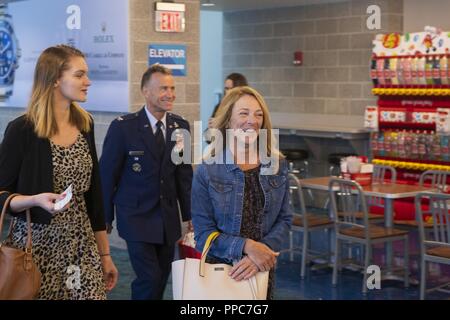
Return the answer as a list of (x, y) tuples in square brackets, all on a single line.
[(316, 286)]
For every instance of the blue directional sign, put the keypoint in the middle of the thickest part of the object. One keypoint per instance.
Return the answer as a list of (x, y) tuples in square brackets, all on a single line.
[(172, 56)]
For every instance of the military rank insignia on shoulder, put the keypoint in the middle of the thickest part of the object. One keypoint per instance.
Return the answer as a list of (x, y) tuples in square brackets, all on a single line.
[(128, 116), (178, 117)]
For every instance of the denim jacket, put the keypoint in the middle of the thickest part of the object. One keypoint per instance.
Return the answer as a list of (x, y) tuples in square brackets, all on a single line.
[(217, 202)]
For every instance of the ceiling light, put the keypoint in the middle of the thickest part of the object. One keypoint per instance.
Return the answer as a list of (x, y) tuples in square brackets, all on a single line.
[(207, 3)]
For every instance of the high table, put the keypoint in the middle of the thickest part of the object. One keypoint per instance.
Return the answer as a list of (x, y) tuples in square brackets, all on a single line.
[(387, 191)]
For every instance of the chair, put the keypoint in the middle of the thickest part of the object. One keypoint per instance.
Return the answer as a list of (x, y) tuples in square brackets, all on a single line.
[(435, 243), (348, 228), (381, 174), (305, 222), (334, 161), (436, 179)]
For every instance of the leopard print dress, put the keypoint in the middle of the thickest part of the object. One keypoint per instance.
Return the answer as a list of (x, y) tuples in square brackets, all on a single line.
[(65, 250)]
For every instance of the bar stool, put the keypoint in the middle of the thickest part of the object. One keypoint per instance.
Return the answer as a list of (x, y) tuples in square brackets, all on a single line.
[(298, 165), (334, 160), (298, 161)]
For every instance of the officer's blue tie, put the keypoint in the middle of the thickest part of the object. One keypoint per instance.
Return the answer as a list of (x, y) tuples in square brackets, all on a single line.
[(160, 142)]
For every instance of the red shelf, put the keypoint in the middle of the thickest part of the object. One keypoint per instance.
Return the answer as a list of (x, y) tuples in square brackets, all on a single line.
[(417, 55), (413, 86), (406, 125)]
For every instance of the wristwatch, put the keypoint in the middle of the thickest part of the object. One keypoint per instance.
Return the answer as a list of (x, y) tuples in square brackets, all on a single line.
[(9, 53)]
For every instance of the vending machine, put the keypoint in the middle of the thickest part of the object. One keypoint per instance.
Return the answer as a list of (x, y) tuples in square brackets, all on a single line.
[(410, 124)]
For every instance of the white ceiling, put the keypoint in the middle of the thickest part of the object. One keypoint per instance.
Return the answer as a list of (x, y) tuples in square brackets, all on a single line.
[(236, 5)]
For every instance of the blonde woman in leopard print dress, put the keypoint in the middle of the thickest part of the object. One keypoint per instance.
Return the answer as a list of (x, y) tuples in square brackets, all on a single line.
[(43, 152)]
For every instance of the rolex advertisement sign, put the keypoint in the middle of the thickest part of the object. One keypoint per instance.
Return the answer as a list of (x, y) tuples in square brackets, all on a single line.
[(98, 28)]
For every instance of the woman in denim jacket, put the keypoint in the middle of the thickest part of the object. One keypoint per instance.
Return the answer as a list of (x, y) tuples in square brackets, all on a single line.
[(241, 189)]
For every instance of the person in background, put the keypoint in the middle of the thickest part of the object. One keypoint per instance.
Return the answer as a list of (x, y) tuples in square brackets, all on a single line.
[(231, 81), (144, 187), (43, 152), (250, 209)]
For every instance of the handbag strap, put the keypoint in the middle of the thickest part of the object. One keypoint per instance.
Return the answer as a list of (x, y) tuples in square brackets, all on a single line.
[(213, 235), (205, 251), (28, 245), (3, 213)]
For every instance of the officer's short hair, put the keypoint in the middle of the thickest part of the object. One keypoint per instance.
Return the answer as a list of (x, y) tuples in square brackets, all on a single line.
[(154, 68)]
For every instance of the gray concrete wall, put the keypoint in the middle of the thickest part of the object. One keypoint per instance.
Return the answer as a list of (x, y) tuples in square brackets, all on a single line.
[(334, 78), (142, 33), (419, 13), (336, 43)]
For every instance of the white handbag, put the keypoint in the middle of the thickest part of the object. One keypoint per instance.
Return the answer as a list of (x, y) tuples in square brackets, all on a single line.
[(194, 279)]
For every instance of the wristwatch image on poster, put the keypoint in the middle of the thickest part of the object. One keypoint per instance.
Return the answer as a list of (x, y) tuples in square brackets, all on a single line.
[(9, 53), (97, 28)]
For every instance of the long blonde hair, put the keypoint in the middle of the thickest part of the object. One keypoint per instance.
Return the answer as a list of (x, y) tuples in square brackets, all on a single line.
[(50, 66), (223, 116)]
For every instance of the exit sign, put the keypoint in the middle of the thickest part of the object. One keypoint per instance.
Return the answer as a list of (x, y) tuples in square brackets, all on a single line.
[(169, 21), (169, 17)]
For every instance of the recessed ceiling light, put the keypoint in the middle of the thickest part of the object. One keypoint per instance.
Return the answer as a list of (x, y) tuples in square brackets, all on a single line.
[(207, 3)]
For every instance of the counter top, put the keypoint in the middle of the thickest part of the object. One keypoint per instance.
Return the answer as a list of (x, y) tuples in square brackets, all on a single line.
[(341, 124), (311, 126)]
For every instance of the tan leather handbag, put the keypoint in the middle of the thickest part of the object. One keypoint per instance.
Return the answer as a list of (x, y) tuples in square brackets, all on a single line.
[(20, 279)]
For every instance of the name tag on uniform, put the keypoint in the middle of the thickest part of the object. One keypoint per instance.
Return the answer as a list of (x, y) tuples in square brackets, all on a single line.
[(136, 153)]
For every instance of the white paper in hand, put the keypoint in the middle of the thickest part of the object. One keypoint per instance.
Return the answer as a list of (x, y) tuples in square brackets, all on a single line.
[(61, 203)]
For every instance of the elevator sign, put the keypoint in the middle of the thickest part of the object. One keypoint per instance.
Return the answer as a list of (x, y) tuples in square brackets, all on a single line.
[(171, 56)]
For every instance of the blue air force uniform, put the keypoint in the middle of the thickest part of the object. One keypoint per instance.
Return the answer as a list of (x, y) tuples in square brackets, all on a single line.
[(145, 191)]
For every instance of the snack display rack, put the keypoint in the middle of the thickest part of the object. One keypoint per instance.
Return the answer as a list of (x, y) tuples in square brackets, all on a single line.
[(411, 122)]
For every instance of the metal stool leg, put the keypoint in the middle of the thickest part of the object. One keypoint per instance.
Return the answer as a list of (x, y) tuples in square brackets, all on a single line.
[(304, 253), (291, 246), (366, 265), (336, 262)]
